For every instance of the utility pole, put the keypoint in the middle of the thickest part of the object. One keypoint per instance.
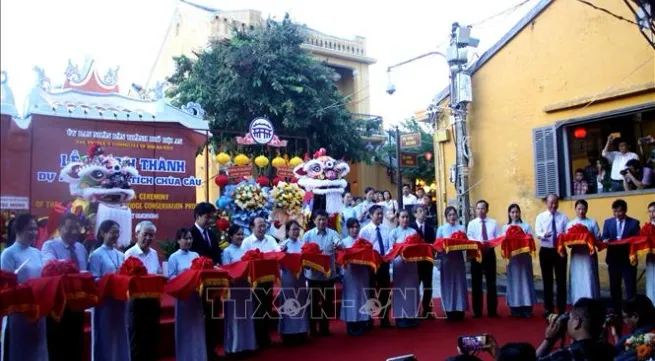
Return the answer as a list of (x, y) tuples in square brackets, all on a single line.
[(399, 173), (460, 96)]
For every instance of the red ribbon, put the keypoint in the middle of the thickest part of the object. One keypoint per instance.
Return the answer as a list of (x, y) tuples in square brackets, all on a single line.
[(201, 263), (132, 266), (413, 249), (199, 280), (361, 253), (578, 235), (122, 288), (515, 242), (256, 267), (458, 241), (54, 294)]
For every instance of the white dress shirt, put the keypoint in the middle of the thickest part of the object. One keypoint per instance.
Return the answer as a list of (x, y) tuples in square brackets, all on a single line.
[(619, 161), (544, 224), (268, 244), (409, 200), (474, 229), (150, 259), (369, 233)]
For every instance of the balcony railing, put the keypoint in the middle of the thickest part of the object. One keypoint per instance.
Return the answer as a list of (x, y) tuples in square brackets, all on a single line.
[(355, 47)]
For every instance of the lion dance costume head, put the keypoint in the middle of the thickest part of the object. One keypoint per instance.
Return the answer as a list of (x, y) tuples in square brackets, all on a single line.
[(103, 181), (323, 175)]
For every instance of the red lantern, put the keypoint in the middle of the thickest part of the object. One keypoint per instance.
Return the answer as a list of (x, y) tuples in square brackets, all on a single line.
[(580, 133), (428, 156), (262, 181), (222, 224), (221, 180), (277, 180)]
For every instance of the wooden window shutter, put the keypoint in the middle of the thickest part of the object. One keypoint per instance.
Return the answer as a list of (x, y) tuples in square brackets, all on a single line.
[(546, 179)]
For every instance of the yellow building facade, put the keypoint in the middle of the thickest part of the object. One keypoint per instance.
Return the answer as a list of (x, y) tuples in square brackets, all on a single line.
[(193, 26), (565, 69)]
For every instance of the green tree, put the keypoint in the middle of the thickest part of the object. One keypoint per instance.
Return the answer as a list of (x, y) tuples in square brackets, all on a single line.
[(424, 168), (264, 72)]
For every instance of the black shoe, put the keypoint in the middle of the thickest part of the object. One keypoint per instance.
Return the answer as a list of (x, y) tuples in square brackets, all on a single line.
[(386, 324), (477, 315)]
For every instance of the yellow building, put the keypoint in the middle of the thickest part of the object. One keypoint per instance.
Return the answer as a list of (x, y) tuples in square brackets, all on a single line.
[(194, 25), (550, 91)]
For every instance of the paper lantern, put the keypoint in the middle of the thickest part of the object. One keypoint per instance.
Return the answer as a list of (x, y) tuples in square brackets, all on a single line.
[(580, 133), (221, 180), (277, 180), (222, 158), (261, 161), (241, 159), (278, 162), (428, 156), (262, 181), (295, 161), (222, 224)]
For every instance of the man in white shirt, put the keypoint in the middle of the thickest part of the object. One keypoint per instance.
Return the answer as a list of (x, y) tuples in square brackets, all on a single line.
[(548, 226), (263, 293), (320, 286), (618, 159), (378, 234), (66, 336), (408, 198), (363, 209), (143, 313), (484, 229), (259, 239)]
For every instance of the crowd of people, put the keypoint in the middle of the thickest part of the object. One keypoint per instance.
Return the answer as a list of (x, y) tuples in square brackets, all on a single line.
[(130, 330)]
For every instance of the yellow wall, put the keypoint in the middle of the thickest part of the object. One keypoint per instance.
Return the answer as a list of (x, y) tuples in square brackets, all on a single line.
[(569, 52)]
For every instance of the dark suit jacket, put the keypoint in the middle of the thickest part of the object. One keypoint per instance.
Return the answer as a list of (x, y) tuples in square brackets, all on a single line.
[(619, 255), (429, 233), (201, 247)]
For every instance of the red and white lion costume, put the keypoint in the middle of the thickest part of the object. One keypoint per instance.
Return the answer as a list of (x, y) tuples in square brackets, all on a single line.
[(324, 175)]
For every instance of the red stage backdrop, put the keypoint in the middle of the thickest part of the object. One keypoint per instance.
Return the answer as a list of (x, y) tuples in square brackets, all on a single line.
[(163, 153)]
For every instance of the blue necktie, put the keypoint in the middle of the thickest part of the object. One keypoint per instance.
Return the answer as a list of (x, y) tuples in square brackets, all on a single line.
[(379, 237), (554, 231)]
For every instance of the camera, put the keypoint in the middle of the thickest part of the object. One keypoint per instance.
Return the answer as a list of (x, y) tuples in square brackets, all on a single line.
[(562, 319), (624, 172), (644, 140)]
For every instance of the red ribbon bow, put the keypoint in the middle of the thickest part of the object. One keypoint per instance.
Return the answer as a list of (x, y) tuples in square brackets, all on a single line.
[(59, 268), (133, 267), (252, 255), (201, 263), (310, 248)]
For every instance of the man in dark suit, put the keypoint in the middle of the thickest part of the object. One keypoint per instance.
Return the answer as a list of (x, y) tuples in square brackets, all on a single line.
[(206, 244), (618, 257), (426, 230)]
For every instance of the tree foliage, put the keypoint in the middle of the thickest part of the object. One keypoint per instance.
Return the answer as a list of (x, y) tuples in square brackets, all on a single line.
[(424, 168), (265, 72)]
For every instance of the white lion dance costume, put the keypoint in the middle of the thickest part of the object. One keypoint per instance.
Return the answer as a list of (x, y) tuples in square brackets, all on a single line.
[(103, 180), (324, 175)]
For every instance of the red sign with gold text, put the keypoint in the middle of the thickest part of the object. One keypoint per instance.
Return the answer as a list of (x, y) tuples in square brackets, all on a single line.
[(163, 154)]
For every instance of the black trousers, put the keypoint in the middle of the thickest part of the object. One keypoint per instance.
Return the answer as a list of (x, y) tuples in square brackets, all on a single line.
[(212, 313), (425, 276), (143, 328), (66, 337), (487, 268), (263, 306), (381, 281), (323, 306), (628, 274), (551, 262)]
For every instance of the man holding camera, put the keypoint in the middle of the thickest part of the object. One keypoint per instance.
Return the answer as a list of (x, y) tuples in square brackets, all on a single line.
[(584, 325), (619, 159)]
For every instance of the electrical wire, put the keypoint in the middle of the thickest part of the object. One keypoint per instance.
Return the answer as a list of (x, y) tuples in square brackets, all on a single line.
[(607, 12), (508, 10)]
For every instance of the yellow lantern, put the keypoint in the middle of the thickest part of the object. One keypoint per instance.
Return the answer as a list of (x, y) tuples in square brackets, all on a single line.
[(261, 161), (241, 159), (295, 161), (222, 158), (278, 162)]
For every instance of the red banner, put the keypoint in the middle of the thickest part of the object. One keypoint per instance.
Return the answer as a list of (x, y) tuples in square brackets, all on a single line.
[(163, 154)]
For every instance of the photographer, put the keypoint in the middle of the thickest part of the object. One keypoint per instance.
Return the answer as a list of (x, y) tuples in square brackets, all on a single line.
[(584, 325), (639, 316), (618, 159), (635, 176)]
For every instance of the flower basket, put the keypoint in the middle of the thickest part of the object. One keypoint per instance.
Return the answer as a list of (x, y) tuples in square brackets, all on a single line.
[(642, 345)]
